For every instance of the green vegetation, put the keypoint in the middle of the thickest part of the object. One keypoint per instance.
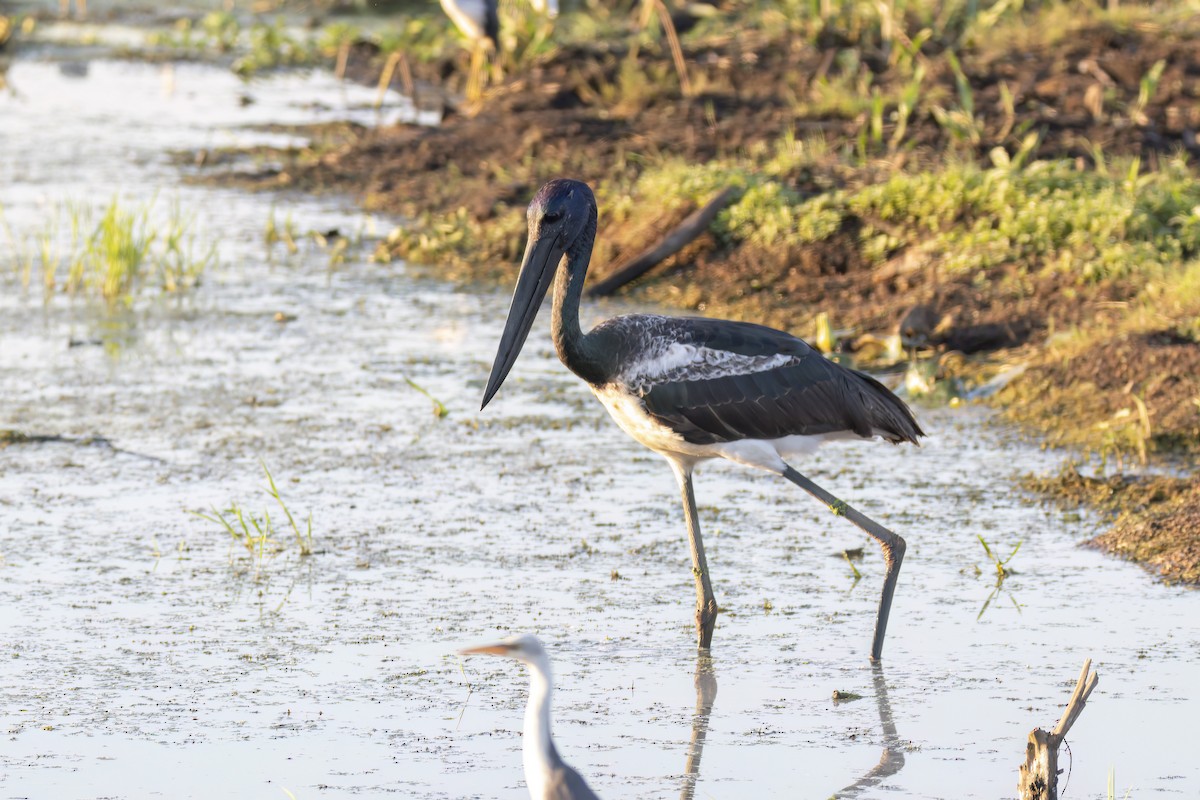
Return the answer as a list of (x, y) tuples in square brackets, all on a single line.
[(271, 46), (111, 254), (257, 46), (1049, 220), (423, 35), (1003, 571), (1001, 564), (217, 32), (439, 409), (1089, 226), (303, 540), (257, 533)]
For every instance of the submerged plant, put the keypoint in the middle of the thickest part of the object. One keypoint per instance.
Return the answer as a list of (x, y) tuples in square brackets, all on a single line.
[(305, 540), (247, 530), (439, 410), (286, 234)]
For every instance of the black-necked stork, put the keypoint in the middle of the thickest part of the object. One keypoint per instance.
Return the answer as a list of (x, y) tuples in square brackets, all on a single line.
[(547, 776), (692, 389)]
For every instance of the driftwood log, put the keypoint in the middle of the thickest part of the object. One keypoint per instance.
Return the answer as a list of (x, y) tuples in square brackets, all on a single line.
[(1039, 774), (695, 224)]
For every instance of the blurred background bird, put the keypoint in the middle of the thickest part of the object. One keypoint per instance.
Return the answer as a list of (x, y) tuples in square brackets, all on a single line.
[(479, 21), (546, 774)]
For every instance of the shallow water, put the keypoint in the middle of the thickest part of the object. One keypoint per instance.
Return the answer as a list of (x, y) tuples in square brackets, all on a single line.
[(146, 658)]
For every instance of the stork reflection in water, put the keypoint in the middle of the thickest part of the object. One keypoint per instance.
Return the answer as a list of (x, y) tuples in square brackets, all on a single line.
[(692, 389), (890, 762)]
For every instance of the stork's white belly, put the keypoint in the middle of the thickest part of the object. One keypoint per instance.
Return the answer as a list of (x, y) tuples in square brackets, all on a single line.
[(630, 414)]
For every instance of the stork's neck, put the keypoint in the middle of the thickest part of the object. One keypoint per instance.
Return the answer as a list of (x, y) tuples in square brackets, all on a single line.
[(538, 752), (574, 347)]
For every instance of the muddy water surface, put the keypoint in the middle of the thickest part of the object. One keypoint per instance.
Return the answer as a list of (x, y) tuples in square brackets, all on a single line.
[(143, 655)]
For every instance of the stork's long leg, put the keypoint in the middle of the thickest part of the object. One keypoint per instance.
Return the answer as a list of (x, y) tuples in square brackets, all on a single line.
[(706, 603), (893, 550)]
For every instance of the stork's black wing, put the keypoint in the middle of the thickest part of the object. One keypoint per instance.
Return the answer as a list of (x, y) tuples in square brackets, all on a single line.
[(804, 394)]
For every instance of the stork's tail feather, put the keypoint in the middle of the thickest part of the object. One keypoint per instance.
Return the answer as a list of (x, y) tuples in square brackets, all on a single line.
[(888, 415)]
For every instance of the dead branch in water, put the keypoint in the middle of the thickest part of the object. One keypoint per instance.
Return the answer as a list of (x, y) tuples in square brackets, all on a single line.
[(695, 224), (1039, 774)]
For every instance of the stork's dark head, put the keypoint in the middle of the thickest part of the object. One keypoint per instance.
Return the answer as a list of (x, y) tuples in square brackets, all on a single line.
[(560, 213)]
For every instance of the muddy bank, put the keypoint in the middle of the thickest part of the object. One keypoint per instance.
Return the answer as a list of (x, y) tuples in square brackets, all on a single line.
[(1155, 517)]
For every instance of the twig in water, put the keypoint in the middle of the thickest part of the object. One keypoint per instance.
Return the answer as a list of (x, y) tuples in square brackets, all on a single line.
[(1039, 774)]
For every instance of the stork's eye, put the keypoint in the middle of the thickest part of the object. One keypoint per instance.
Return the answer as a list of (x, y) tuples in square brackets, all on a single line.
[(552, 216)]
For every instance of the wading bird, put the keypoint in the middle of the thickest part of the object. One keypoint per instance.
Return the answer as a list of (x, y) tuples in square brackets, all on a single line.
[(692, 389), (546, 774), (479, 21)]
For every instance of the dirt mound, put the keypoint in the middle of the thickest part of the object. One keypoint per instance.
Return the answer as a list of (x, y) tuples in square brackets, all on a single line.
[(1141, 389)]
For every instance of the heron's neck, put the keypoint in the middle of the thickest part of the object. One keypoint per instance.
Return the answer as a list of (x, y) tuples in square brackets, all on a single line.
[(538, 752), (573, 345)]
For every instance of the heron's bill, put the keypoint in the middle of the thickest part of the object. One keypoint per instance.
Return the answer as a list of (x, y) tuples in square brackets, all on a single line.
[(487, 649)]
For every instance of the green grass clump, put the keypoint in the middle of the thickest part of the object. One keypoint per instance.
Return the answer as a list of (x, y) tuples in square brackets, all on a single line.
[(1091, 224), (456, 241), (271, 46), (217, 31), (1096, 225), (257, 533), (114, 257)]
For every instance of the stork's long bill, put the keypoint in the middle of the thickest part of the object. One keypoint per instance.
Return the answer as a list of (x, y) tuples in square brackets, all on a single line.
[(542, 255)]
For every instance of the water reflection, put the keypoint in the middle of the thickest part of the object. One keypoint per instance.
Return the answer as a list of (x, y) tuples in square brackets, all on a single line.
[(706, 692), (892, 760), (74, 69), (998, 590)]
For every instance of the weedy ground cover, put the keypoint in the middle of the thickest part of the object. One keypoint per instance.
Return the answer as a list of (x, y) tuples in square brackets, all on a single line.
[(111, 254)]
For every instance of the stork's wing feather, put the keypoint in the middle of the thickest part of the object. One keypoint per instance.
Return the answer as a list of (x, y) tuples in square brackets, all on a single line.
[(804, 394)]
